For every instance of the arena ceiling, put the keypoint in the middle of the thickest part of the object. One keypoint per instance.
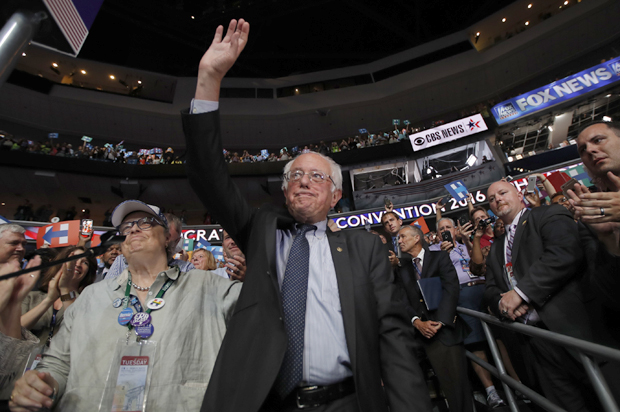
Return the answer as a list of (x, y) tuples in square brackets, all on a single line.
[(287, 37)]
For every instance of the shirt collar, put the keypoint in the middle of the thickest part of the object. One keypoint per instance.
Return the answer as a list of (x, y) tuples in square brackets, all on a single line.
[(515, 221), (172, 273), (420, 255)]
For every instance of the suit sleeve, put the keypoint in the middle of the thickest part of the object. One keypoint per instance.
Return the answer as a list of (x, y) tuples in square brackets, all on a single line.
[(560, 260), (493, 290), (450, 290), (404, 383), (208, 175)]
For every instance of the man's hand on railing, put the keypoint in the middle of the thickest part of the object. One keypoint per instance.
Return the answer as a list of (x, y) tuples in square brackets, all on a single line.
[(511, 305)]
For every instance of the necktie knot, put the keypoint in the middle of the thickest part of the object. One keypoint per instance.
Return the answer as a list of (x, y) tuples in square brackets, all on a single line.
[(303, 229), (417, 260)]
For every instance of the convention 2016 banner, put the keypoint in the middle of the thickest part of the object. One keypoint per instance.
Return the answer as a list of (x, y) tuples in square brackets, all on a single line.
[(448, 132), (559, 91), (429, 209)]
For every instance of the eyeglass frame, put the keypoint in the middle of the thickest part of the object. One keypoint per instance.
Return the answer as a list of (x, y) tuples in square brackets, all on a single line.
[(288, 178), (136, 223)]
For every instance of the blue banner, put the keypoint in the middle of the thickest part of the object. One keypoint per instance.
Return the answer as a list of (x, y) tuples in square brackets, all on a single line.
[(558, 92)]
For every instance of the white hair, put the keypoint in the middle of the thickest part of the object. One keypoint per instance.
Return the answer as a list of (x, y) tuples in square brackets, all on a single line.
[(12, 228), (335, 172), (444, 218)]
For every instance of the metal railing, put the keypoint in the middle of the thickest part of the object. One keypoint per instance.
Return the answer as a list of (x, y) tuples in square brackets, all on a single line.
[(587, 351)]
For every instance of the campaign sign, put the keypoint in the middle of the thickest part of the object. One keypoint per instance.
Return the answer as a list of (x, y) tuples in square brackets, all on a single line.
[(52, 135), (362, 131), (421, 223), (87, 139), (457, 190), (59, 234), (448, 132), (557, 92)]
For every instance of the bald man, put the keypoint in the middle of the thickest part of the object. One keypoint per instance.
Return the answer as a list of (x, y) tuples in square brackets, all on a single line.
[(533, 275)]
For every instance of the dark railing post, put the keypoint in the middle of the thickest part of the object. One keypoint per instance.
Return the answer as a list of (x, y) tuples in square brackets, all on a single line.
[(600, 386), (499, 364)]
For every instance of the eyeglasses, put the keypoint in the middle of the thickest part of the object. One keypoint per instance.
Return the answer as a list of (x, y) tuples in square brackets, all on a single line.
[(315, 176), (145, 223)]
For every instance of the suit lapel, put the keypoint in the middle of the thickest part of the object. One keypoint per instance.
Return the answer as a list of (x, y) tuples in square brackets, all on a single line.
[(344, 276), (427, 263), (518, 232)]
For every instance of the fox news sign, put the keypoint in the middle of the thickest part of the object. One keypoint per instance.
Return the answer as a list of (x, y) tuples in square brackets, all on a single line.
[(448, 132), (558, 92)]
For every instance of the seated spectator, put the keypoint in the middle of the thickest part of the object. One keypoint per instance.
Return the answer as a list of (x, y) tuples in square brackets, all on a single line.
[(203, 259), (43, 310), (188, 330)]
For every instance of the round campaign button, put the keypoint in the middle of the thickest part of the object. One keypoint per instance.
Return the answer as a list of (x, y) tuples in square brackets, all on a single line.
[(117, 302), (145, 331), (140, 319), (155, 304), (125, 316)]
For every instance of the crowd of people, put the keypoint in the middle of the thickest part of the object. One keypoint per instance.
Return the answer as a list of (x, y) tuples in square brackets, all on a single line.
[(106, 153), (307, 316)]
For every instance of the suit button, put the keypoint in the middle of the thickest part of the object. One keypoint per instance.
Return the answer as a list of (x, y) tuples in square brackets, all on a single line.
[(280, 319)]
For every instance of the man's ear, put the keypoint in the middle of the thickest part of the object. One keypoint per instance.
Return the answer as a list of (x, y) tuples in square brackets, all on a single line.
[(336, 196)]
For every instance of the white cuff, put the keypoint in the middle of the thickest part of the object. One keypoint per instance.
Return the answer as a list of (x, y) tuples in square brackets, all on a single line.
[(203, 106), (523, 296)]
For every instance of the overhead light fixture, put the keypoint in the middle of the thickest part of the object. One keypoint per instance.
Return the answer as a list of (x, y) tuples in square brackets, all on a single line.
[(477, 37), (519, 156), (471, 160), (139, 81), (609, 95), (3, 204), (550, 128), (193, 18), (510, 158), (24, 54), (55, 64), (296, 90), (527, 23), (112, 77), (606, 119), (504, 20), (566, 3), (529, 6), (83, 71)]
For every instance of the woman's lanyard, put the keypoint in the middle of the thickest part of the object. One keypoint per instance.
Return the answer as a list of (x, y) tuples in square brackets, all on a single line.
[(52, 325), (140, 320)]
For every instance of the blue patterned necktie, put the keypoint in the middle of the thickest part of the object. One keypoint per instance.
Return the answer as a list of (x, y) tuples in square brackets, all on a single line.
[(294, 296)]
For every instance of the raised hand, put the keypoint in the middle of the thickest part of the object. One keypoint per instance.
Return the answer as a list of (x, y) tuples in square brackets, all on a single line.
[(220, 57)]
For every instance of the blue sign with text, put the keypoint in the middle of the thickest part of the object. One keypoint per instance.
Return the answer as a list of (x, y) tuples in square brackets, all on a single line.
[(558, 92)]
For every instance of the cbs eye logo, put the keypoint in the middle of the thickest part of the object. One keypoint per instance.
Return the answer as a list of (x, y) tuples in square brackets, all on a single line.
[(419, 141)]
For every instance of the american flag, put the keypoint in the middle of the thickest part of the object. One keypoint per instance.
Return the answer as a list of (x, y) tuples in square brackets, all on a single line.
[(70, 22)]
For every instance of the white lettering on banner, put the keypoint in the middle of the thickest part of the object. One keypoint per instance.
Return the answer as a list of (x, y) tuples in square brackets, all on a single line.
[(408, 212), (200, 234), (213, 235), (448, 132), (603, 74), (560, 90), (574, 86)]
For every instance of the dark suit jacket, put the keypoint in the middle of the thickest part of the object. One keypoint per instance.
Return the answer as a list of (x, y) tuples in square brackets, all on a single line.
[(548, 264), (376, 329), (436, 264)]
